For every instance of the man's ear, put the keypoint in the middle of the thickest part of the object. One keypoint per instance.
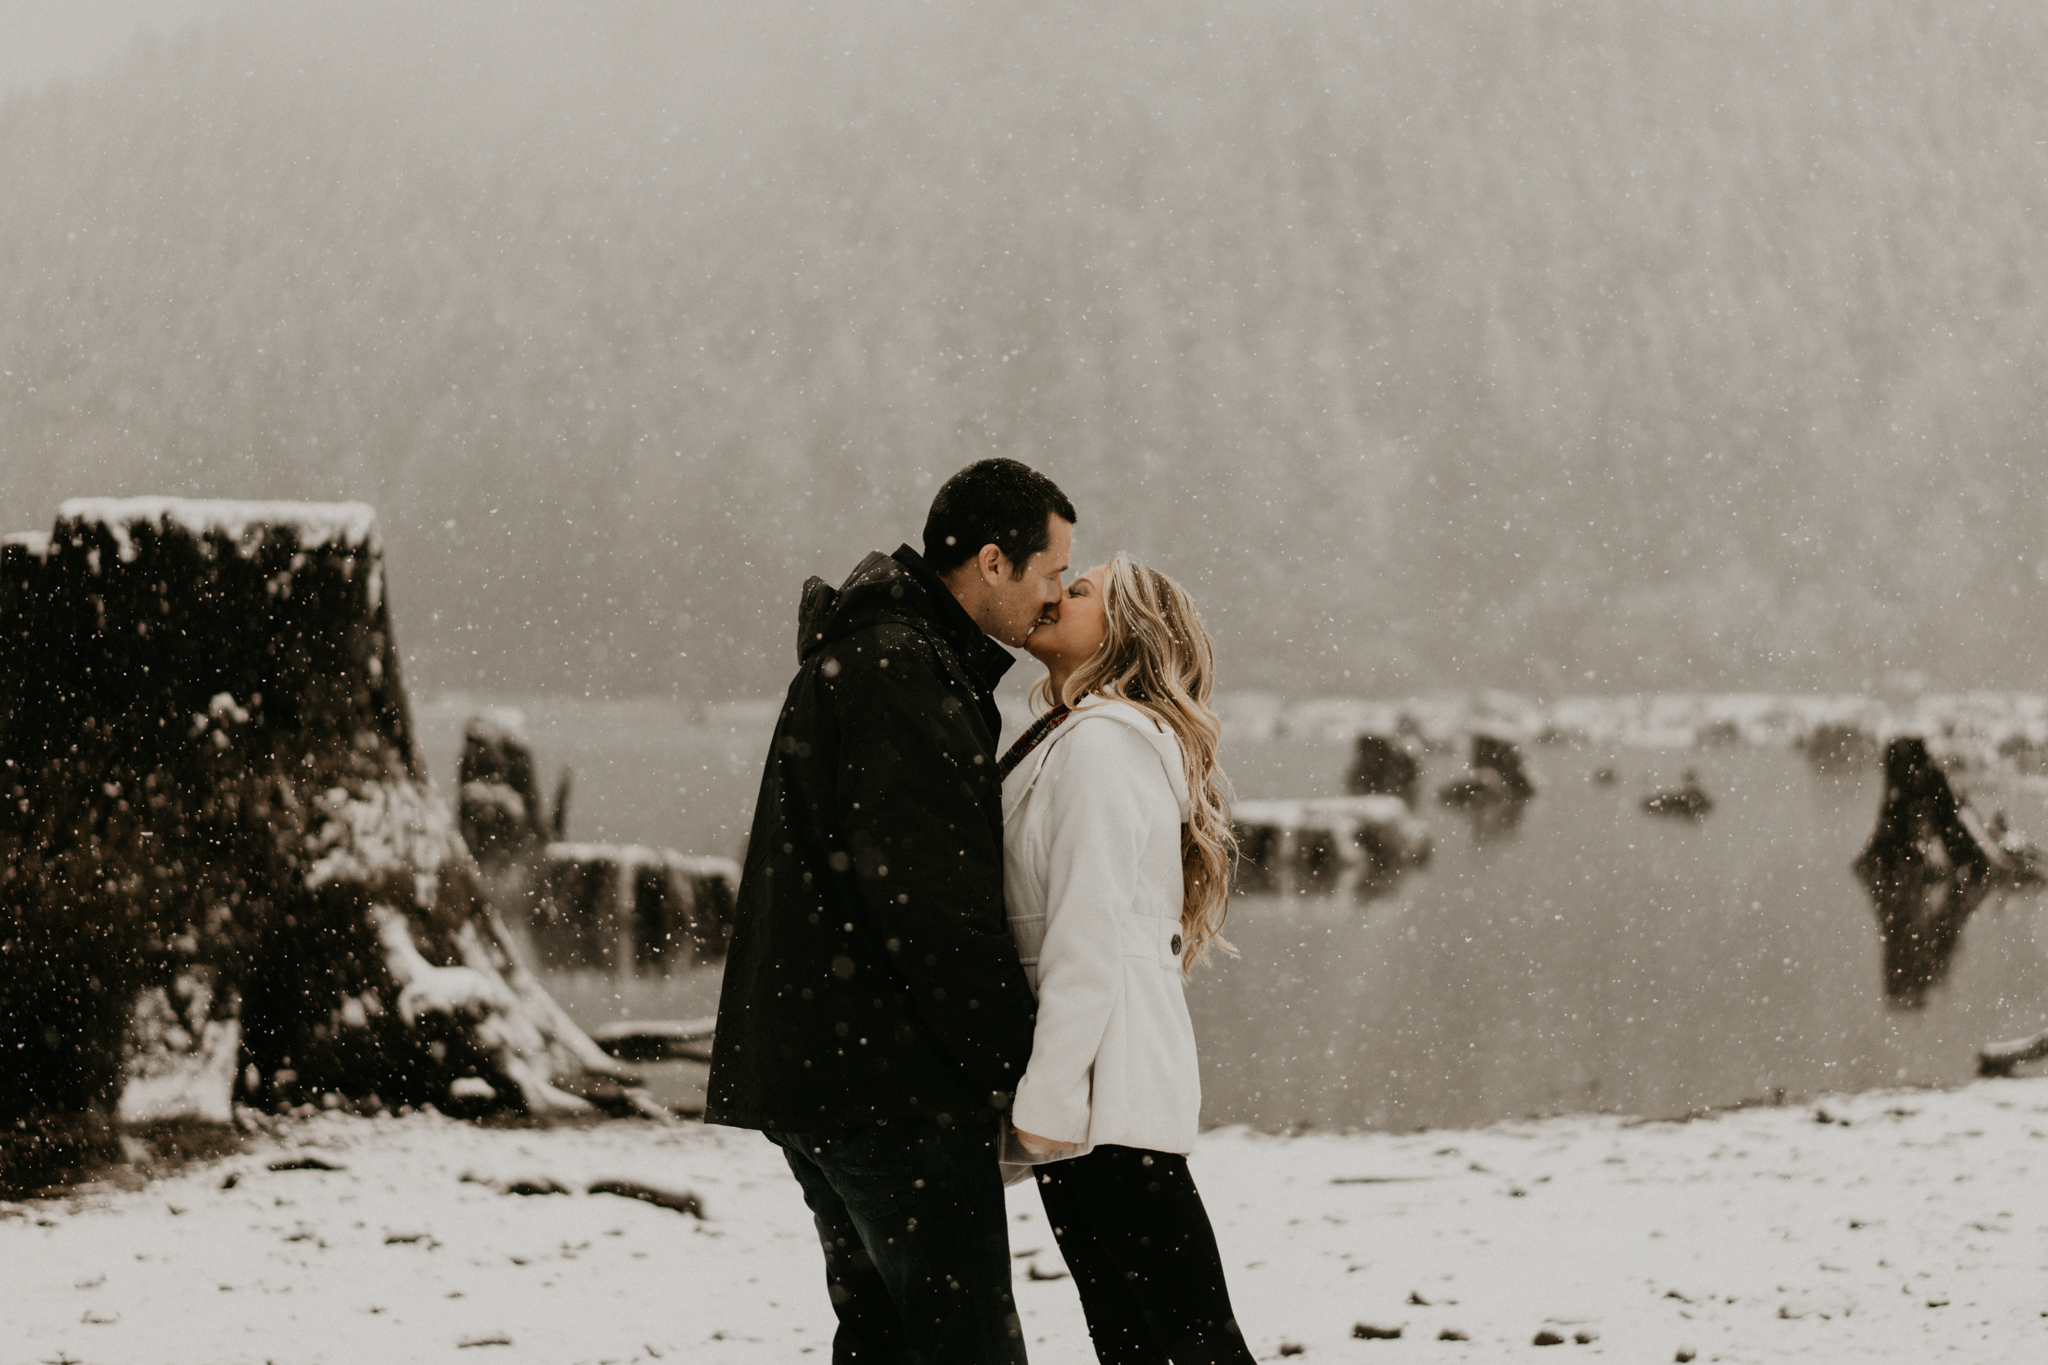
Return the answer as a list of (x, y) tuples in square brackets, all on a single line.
[(994, 565)]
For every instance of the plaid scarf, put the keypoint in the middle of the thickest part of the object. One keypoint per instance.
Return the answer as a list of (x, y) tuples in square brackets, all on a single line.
[(1030, 740)]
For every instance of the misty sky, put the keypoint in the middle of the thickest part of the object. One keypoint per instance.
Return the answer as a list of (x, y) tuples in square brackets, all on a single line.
[(49, 40), (1523, 345)]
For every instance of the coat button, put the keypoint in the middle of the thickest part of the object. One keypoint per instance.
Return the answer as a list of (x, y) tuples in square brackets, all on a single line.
[(1176, 943)]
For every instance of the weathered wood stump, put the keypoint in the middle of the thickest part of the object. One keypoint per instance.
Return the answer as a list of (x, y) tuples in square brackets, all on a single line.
[(1501, 755), (221, 870), (1363, 842), (1497, 775), (1929, 864), (1838, 747), (499, 805), (2024, 753), (1722, 733), (631, 910), (1495, 790), (500, 812), (1383, 766)]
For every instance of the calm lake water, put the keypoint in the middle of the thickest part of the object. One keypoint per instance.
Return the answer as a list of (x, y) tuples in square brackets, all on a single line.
[(1596, 958)]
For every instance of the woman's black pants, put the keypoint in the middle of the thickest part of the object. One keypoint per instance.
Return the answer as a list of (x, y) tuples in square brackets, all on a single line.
[(1133, 1230)]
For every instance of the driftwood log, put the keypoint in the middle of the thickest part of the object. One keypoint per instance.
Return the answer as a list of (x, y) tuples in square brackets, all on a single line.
[(1929, 864), (2002, 1059), (221, 871), (646, 1040)]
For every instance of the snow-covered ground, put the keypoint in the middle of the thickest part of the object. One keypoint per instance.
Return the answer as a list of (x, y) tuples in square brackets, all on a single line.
[(1902, 1225)]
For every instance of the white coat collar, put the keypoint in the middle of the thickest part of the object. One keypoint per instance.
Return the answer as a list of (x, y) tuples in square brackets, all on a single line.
[(1162, 740)]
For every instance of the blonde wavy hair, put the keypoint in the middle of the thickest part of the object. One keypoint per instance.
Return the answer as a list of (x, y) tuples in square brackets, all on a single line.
[(1156, 656)]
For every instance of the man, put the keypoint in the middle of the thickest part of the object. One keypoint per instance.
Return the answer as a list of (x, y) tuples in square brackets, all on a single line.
[(874, 1019)]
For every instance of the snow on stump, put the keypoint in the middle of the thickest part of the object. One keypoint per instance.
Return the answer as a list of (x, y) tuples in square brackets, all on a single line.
[(221, 872)]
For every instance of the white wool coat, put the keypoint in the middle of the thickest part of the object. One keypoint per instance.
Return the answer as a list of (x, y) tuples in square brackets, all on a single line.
[(1092, 877)]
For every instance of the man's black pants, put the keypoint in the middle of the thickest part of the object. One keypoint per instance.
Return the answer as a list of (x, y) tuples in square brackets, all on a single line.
[(1133, 1230), (917, 1250)]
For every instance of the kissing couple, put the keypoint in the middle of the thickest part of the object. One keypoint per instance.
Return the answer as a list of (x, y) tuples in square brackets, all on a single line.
[(953, 966)]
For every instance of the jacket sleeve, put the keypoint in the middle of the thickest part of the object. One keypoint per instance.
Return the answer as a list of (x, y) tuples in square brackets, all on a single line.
[(1097, 832), (920, 814)]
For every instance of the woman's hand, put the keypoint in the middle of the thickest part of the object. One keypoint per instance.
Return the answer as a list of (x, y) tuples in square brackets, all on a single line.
[(1042, 1146)]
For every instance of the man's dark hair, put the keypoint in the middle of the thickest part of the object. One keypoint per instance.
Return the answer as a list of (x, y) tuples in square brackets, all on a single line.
[(993, 502)]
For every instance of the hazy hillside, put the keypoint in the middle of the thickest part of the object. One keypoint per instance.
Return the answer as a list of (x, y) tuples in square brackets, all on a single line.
[(1587, 347)]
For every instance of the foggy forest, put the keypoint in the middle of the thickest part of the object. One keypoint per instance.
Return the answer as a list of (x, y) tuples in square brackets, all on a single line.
[(1572, 349)]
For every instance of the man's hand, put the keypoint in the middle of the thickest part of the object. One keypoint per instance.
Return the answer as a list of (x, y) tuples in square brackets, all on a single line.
[(1042, 1146)]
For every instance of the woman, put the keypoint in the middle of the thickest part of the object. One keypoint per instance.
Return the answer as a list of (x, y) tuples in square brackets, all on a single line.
[(1116, 848)]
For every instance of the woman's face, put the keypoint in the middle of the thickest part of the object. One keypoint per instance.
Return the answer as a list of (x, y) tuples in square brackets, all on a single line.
[(1068, 635)]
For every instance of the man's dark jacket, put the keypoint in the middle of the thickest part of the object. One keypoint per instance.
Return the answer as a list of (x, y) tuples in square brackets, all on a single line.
[(872, 977)]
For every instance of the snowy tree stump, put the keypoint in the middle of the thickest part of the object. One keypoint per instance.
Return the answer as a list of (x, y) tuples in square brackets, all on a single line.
[(499, 804), (499, 811), (221, 871)]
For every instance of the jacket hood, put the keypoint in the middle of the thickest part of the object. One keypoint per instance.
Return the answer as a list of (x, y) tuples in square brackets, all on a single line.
[(875, 590), (895, 587), (1163, 741)]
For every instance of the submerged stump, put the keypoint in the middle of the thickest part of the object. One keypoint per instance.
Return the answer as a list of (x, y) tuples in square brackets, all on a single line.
[(1497, 775), (1384, 766), (630, 910), (221, 871), (1686, 801), (1367, 842), (1929, 864), (1495, 790)]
